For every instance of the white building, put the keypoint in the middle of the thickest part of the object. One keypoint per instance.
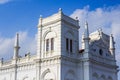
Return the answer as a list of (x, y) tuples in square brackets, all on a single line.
[(58, 56)]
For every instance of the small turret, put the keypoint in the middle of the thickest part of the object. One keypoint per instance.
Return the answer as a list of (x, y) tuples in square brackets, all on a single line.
[(86, 38), (16, 47), (112, 45)]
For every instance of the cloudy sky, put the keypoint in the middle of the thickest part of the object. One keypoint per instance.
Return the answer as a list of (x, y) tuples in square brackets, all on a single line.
[(22, 16)]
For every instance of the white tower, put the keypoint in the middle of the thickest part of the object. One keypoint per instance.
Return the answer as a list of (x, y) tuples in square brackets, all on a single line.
[(57, 45), (16, 47), (15, 56), (86, 54)]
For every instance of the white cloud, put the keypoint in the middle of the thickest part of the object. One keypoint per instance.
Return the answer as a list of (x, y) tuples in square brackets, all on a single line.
[(27, 44), (106, 18), (4, 1)]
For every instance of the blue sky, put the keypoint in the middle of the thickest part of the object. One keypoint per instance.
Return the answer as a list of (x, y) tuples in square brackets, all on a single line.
[(22, 16)]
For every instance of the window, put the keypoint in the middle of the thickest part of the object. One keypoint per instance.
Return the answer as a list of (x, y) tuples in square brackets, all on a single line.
[(71, 45), (101, 52), (67, 44), (52, 43), (47, 44)]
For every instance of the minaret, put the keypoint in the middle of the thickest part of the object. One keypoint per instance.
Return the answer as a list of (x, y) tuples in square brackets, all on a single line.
[(15, 56), (112, 46), (86, 55), (16, 47), (86, 38)]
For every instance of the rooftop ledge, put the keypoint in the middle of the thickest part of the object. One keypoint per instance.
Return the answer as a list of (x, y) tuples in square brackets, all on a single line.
[(60, 16)]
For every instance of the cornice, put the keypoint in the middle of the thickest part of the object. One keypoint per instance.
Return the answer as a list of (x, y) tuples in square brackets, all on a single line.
[(107, 65)]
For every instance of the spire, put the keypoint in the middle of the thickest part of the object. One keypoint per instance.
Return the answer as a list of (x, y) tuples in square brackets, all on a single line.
[(112, 45), (86, 38), (86, 33), (16, 47)]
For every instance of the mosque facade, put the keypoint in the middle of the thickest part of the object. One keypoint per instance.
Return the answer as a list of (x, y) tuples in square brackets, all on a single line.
[(58, 55)]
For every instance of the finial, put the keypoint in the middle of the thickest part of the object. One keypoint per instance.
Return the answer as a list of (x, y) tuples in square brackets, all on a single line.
[(40, 21), (40, 16), (100, 29), (60, 10)]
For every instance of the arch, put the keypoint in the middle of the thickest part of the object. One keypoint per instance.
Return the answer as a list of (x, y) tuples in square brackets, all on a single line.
[(102, 77), (109, 78), (95, 76), (70, 75), (25, 78), (48, 75), (69, 34), (49, 34), (49, 41)]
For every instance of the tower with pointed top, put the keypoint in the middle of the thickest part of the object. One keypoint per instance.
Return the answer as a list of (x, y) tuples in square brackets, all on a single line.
[(15, 56), (86, 38), (16, 47), (86, 54)]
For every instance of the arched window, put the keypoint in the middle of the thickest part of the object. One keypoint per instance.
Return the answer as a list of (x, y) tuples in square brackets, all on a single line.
[(70, 75), (109, 78), (95, 76), (49, 41), (25, 78), (48, 75), (101, 52), (102, 77), (69, 41)]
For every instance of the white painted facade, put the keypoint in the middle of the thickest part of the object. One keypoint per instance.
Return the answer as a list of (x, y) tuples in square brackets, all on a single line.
[(58, 56)]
